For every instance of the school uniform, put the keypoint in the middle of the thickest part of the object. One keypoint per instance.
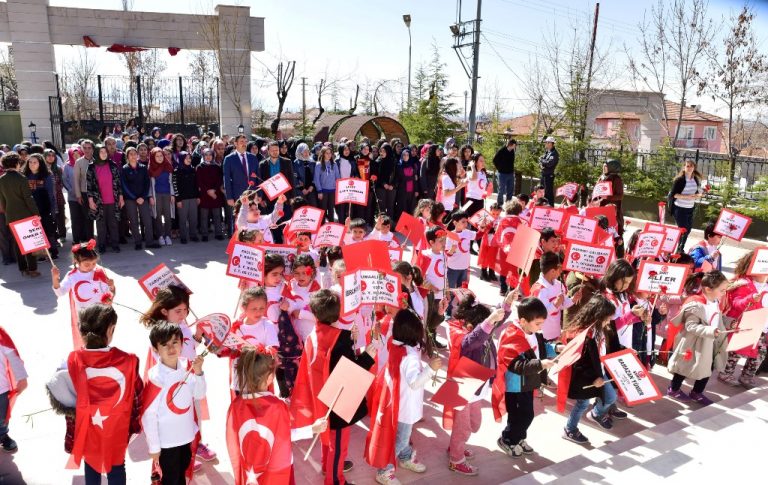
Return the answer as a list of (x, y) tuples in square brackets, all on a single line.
[(548, 293)]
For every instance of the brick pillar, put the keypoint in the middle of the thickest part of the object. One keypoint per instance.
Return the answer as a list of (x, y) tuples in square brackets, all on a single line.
[(235, 59), (34, 62)]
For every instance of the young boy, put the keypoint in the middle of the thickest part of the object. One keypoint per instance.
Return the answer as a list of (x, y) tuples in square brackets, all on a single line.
[(432, 262), (304, 246), (549, 243), (168, 416), (552, 292), (323, 350), (10, 365), (706, 250), (355, 231), (382, 231), (523, 356)]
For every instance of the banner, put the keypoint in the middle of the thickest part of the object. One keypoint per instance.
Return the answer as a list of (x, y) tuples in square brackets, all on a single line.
[(275, 186), (568, 190), (602, 189), (215, 326), (751, 327), (759, 265), (160, 277), (633, 380), (580, 229), (331, 234), (246, 262), (672, 235), (352, 191), (481, 217), (590, 259), (287, 252), (732, 224), (351, 294), (29, 234), (570, 354), (665, 278), (547, 217), (649, 244), (379, 288), (306, 219)]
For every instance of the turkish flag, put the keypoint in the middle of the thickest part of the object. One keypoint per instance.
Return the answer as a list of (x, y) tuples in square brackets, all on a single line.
[(512, 343), (370, 254), (412, 228), (380, 442), (105, 384), (7, 342), (259, 440)]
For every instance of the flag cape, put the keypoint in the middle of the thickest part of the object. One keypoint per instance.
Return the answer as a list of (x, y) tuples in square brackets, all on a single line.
[(512, 343), (385, 406), (7, 341)]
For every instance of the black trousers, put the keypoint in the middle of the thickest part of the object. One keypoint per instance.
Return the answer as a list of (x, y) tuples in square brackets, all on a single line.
[(519, 416), (174, 462), (698, 386), (548, 181)]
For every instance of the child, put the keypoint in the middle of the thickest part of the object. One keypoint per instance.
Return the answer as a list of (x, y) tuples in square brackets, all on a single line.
[(552, 293), (303, 284), (399, 407), (258, 410), (323, 350), (13, 381), (168, 417), (87, 284), (486, 259), (549, 243), (433, 267), (458, 256), (585, 380), (187, 197), (105, 414), (525, 200), (700, 346), (674, 305), (249, 215), (411, 280), (708, 250), (523, 358), (356, 231), (644, 332), (505, 232), (304, 246), (617, 286), (328, 256)]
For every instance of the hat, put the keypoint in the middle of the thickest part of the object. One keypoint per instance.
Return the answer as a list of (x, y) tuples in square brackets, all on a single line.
[(162, 143), (549, 139), (449, 142)]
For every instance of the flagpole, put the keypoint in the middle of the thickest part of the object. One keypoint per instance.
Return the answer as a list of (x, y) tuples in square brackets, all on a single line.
[(48, 253), (327, 415)]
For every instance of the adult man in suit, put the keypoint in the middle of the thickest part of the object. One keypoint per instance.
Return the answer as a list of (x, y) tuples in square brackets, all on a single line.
[(240, 168), (270, 167), (16, 199)]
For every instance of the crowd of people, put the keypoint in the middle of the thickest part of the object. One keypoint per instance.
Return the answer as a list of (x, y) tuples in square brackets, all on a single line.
[(156, 189)]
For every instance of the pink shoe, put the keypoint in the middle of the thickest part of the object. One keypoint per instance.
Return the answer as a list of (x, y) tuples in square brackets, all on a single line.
[(468, 454), (198, 465), (205, 453)]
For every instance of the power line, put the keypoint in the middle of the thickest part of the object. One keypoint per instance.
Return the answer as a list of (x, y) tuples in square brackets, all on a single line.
[(553, 9), (503, 61)]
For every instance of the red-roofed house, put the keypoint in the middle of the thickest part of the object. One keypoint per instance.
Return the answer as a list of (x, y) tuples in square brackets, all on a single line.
[(697, 129), (617, 127)]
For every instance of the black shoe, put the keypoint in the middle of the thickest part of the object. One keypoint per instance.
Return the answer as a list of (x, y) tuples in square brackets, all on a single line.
[(102, 249), (116, 249), (54, 255), (484, 274), (194, 239), (138, 247), (348, 466), (9, 446), (154, 245), (183, 241), (122, 240), (221, 238), (617, 413), (492, 275), (205, 238)]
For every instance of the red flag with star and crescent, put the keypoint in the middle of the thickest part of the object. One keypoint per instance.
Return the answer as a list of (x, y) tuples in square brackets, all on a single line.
[(7, 342), (380, 442), (105, 383), (259, 440), (77, 301), (512, 343)]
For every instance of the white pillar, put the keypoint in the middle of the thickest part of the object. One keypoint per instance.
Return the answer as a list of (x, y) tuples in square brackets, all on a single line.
[(234, 51), (34, 63)]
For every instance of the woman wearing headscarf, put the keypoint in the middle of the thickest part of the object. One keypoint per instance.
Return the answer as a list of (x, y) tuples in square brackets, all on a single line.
[(406, 182), (347, 169), (364, 166), (304, 172), (384, 171), (105, 198), (51, 161), (430, 169)]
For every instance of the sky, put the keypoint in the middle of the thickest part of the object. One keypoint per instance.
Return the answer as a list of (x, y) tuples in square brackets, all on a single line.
[(364, 41)]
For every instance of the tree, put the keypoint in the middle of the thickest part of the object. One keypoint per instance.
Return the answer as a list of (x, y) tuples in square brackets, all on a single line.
[(9, 91), (150, 67), (284, 75), (76, 83), (736, 77), (201, 98), (433, 115), (674, 38)]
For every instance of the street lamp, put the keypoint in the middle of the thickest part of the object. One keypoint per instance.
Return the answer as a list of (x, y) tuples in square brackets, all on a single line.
[(33, 128), (407, 20), (240, 129)]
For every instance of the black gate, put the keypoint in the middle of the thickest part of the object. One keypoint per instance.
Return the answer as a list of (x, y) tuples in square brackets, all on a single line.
[(57, 120)]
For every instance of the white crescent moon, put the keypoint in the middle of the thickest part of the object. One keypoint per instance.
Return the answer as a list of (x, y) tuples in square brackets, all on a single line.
[(251, 425), (111, 373), (77, 288), (313, 347)]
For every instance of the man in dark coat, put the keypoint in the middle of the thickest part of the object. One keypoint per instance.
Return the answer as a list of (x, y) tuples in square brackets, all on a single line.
[(504, 161), (17, 202), (269, 167), (548, 163)]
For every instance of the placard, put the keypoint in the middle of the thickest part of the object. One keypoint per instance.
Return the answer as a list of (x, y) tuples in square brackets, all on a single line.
[(412, 228), (608, 211), (751, 325), (632, 378), (664, 278), (158, 278), (568, 190), (352, 191), (522, 250), (246, 262), (649, 244), (351, 294), (330, 234), (570, 354), (672, 235), (481, 217), (286, 251), (30, 235), (276, 186), (759, 264), (395, 253), (368, 254), (732, 224), (215, 326), (602, 189), (542, 217), (580, 229), (379, 288), (351, 383), (590, 259), (306, 219)]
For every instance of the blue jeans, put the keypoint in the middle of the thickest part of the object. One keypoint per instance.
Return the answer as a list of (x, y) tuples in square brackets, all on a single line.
[(684, 218), (506, 187), (115, 476), (3, 413), (455, 279), (602, 406), (403, 449)]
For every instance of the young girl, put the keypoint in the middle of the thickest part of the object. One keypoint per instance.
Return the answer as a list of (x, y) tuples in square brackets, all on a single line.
[(745, 293), (257, 410), (617, 287), (674, 305), (595, 315), (486, 259), (451, 182), (87, 284), (303, 284), (700, 345), (326, 174), (505, 232), (164, 207), (187, 197), (100, 415), (252, 219), (411, 280), (399, 407), (41, 184), (13, 381)]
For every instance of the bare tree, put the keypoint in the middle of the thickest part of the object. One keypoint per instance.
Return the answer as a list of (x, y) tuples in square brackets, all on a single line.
[(76, 82), (321, 88), (284, 75), (9, 91), (353, 101), (150, 67), (202, 64)]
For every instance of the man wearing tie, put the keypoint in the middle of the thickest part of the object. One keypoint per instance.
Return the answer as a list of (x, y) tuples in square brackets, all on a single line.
[(240, 173), (269, 167)]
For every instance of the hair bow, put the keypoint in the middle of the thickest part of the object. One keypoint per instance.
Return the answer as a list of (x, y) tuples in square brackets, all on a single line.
[(90, 245)]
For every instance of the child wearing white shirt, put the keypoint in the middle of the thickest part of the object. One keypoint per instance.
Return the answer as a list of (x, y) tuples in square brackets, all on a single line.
[(551, 291), (249, 216)]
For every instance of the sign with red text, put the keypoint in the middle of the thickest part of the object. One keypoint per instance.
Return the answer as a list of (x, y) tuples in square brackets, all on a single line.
[(306, 219), (379, 288), (590, 259), (287, 252), (672, 235), (160, 277), (547, 217), (215, 326), (759, 265), (580, 229), (352, 191), (30, 235), (275, 186), (351, 294), (602, 189), (664, 278), (649, 244), (568, 190), (481, 218), (732, 224), (632, 378), (246, 262), (331, 234)]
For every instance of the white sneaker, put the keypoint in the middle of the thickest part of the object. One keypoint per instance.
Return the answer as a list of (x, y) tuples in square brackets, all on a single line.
[(413, 465), (161, 240), (387, 478), (168, 241)]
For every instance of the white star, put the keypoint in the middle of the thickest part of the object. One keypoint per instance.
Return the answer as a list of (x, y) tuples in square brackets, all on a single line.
[(98, 420), (251, 477)]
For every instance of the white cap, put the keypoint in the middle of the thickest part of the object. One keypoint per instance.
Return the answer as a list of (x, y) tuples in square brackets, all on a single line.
[(549, 139)]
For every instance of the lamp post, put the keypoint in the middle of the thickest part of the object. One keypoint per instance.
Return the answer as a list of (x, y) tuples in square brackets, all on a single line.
[(240, 129), (33, 128), (407, 20)]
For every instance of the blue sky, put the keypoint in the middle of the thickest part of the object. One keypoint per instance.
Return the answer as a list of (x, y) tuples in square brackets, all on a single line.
[(366, 40)]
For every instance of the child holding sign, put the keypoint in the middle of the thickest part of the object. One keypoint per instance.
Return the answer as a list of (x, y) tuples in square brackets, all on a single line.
[(700, 346), (708, 250), (249, 216), (432, 263), (303, 284), (552, 293), (486, 258)]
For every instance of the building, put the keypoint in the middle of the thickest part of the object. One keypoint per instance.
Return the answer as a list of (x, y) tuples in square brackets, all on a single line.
[(698, 130)]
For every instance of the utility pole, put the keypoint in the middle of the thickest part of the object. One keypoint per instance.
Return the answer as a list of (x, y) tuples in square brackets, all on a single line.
[(583, 121), (475, 67), (303, 105), (466, 93)]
